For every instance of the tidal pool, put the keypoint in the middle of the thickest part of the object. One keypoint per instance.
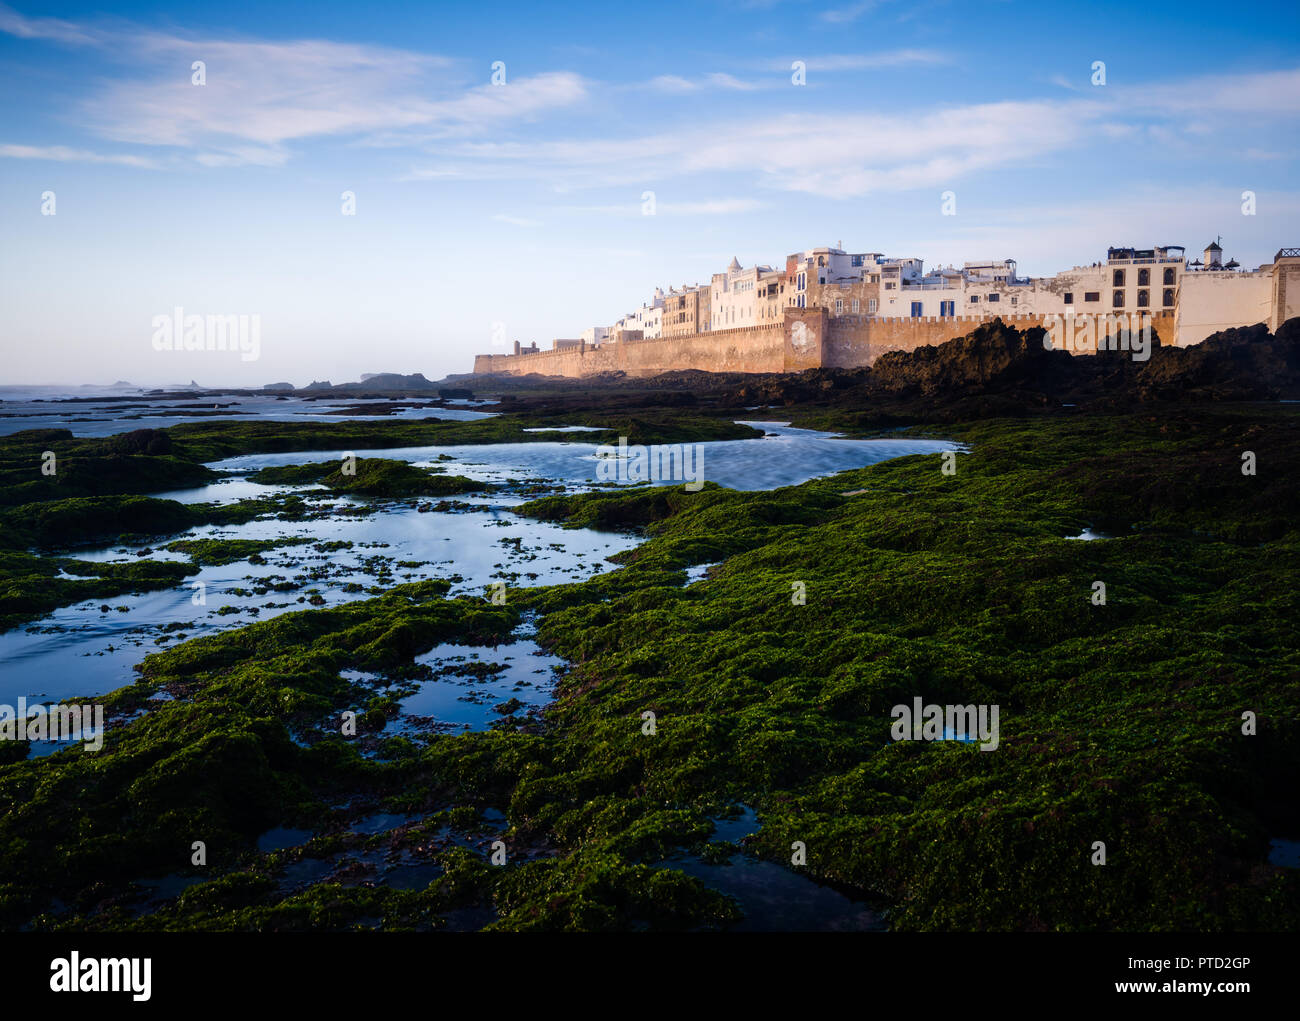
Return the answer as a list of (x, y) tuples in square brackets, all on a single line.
[(358, 548), (774, 898), (783, 456)]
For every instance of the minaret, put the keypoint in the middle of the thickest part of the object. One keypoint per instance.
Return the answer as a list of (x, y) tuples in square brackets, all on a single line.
[(1214, 255)]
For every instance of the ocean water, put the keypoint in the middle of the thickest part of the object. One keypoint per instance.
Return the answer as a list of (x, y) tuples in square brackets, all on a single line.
[(99, 411)]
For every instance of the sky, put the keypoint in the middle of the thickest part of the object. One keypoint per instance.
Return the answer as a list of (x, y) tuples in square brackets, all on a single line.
[(620, 147)]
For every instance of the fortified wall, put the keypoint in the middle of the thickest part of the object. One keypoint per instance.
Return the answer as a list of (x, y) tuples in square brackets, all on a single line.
[(752, 349), (808, 338)]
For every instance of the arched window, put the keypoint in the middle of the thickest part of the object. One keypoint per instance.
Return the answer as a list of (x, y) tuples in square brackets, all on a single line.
[(1117, 280), (1144, 278), (1144, 299), (1169, 277), (1117, 300), (1169, 297)]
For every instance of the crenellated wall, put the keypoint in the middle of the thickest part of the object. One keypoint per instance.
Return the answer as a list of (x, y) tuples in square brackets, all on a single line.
[(753, 349), (808, 338)]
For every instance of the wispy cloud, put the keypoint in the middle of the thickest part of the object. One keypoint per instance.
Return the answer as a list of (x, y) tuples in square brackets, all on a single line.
[(844, 15), (833, 154), (1263, 93), (726, 81), (64, 154), (705, 207), (516, 221), (845, 155), (861, 61), (673, 83), (715, 80), (259, 96), (53, 29)]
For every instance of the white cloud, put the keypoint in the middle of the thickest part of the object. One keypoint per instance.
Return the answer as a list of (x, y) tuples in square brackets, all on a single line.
[(717, 79), (672, 83), (862, 61), (53, 29), (844, 15), (845, 155), (706, 207), (727, 81), (259, 96), (839, 155), (516, 221), (63, 154), (1262, 93)]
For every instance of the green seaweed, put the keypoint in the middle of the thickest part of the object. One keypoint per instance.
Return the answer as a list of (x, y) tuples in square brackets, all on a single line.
[(1120, 722)]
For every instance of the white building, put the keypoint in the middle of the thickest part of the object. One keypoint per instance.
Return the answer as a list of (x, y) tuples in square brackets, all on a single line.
[(734, 298), (807, 272), (1214, 296)]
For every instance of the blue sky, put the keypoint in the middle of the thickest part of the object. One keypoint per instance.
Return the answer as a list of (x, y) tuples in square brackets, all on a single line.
[(521, 204)]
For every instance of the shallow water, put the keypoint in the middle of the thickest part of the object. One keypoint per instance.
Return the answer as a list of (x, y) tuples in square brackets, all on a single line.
[(80, 650), (784, 456), (1284, 852), (774, 898), (527, 676), (90, 648), (60, 408)]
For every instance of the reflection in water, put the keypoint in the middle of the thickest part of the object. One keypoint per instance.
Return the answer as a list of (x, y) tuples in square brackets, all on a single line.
[(90, 648), (773, 898)]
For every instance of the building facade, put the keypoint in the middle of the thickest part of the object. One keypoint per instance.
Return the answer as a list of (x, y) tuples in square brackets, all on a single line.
[(1191, 301)]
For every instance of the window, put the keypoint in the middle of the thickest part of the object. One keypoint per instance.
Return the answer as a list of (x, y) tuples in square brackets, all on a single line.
[(1117, 300), (1144, 278), (1092, 295), (889, 286), (1015, 301), (947, 308), (1144, 299), (855, 260), (871, 306), (821, 280), (821, 260), (1169, 297), (1117, 279), (855, 306), (994, 297), (1169, 277), (839, 306), (974, 298), (1069, 297)]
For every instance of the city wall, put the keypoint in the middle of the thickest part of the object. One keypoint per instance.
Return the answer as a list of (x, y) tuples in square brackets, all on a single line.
[(753, 349), (808, 338)]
